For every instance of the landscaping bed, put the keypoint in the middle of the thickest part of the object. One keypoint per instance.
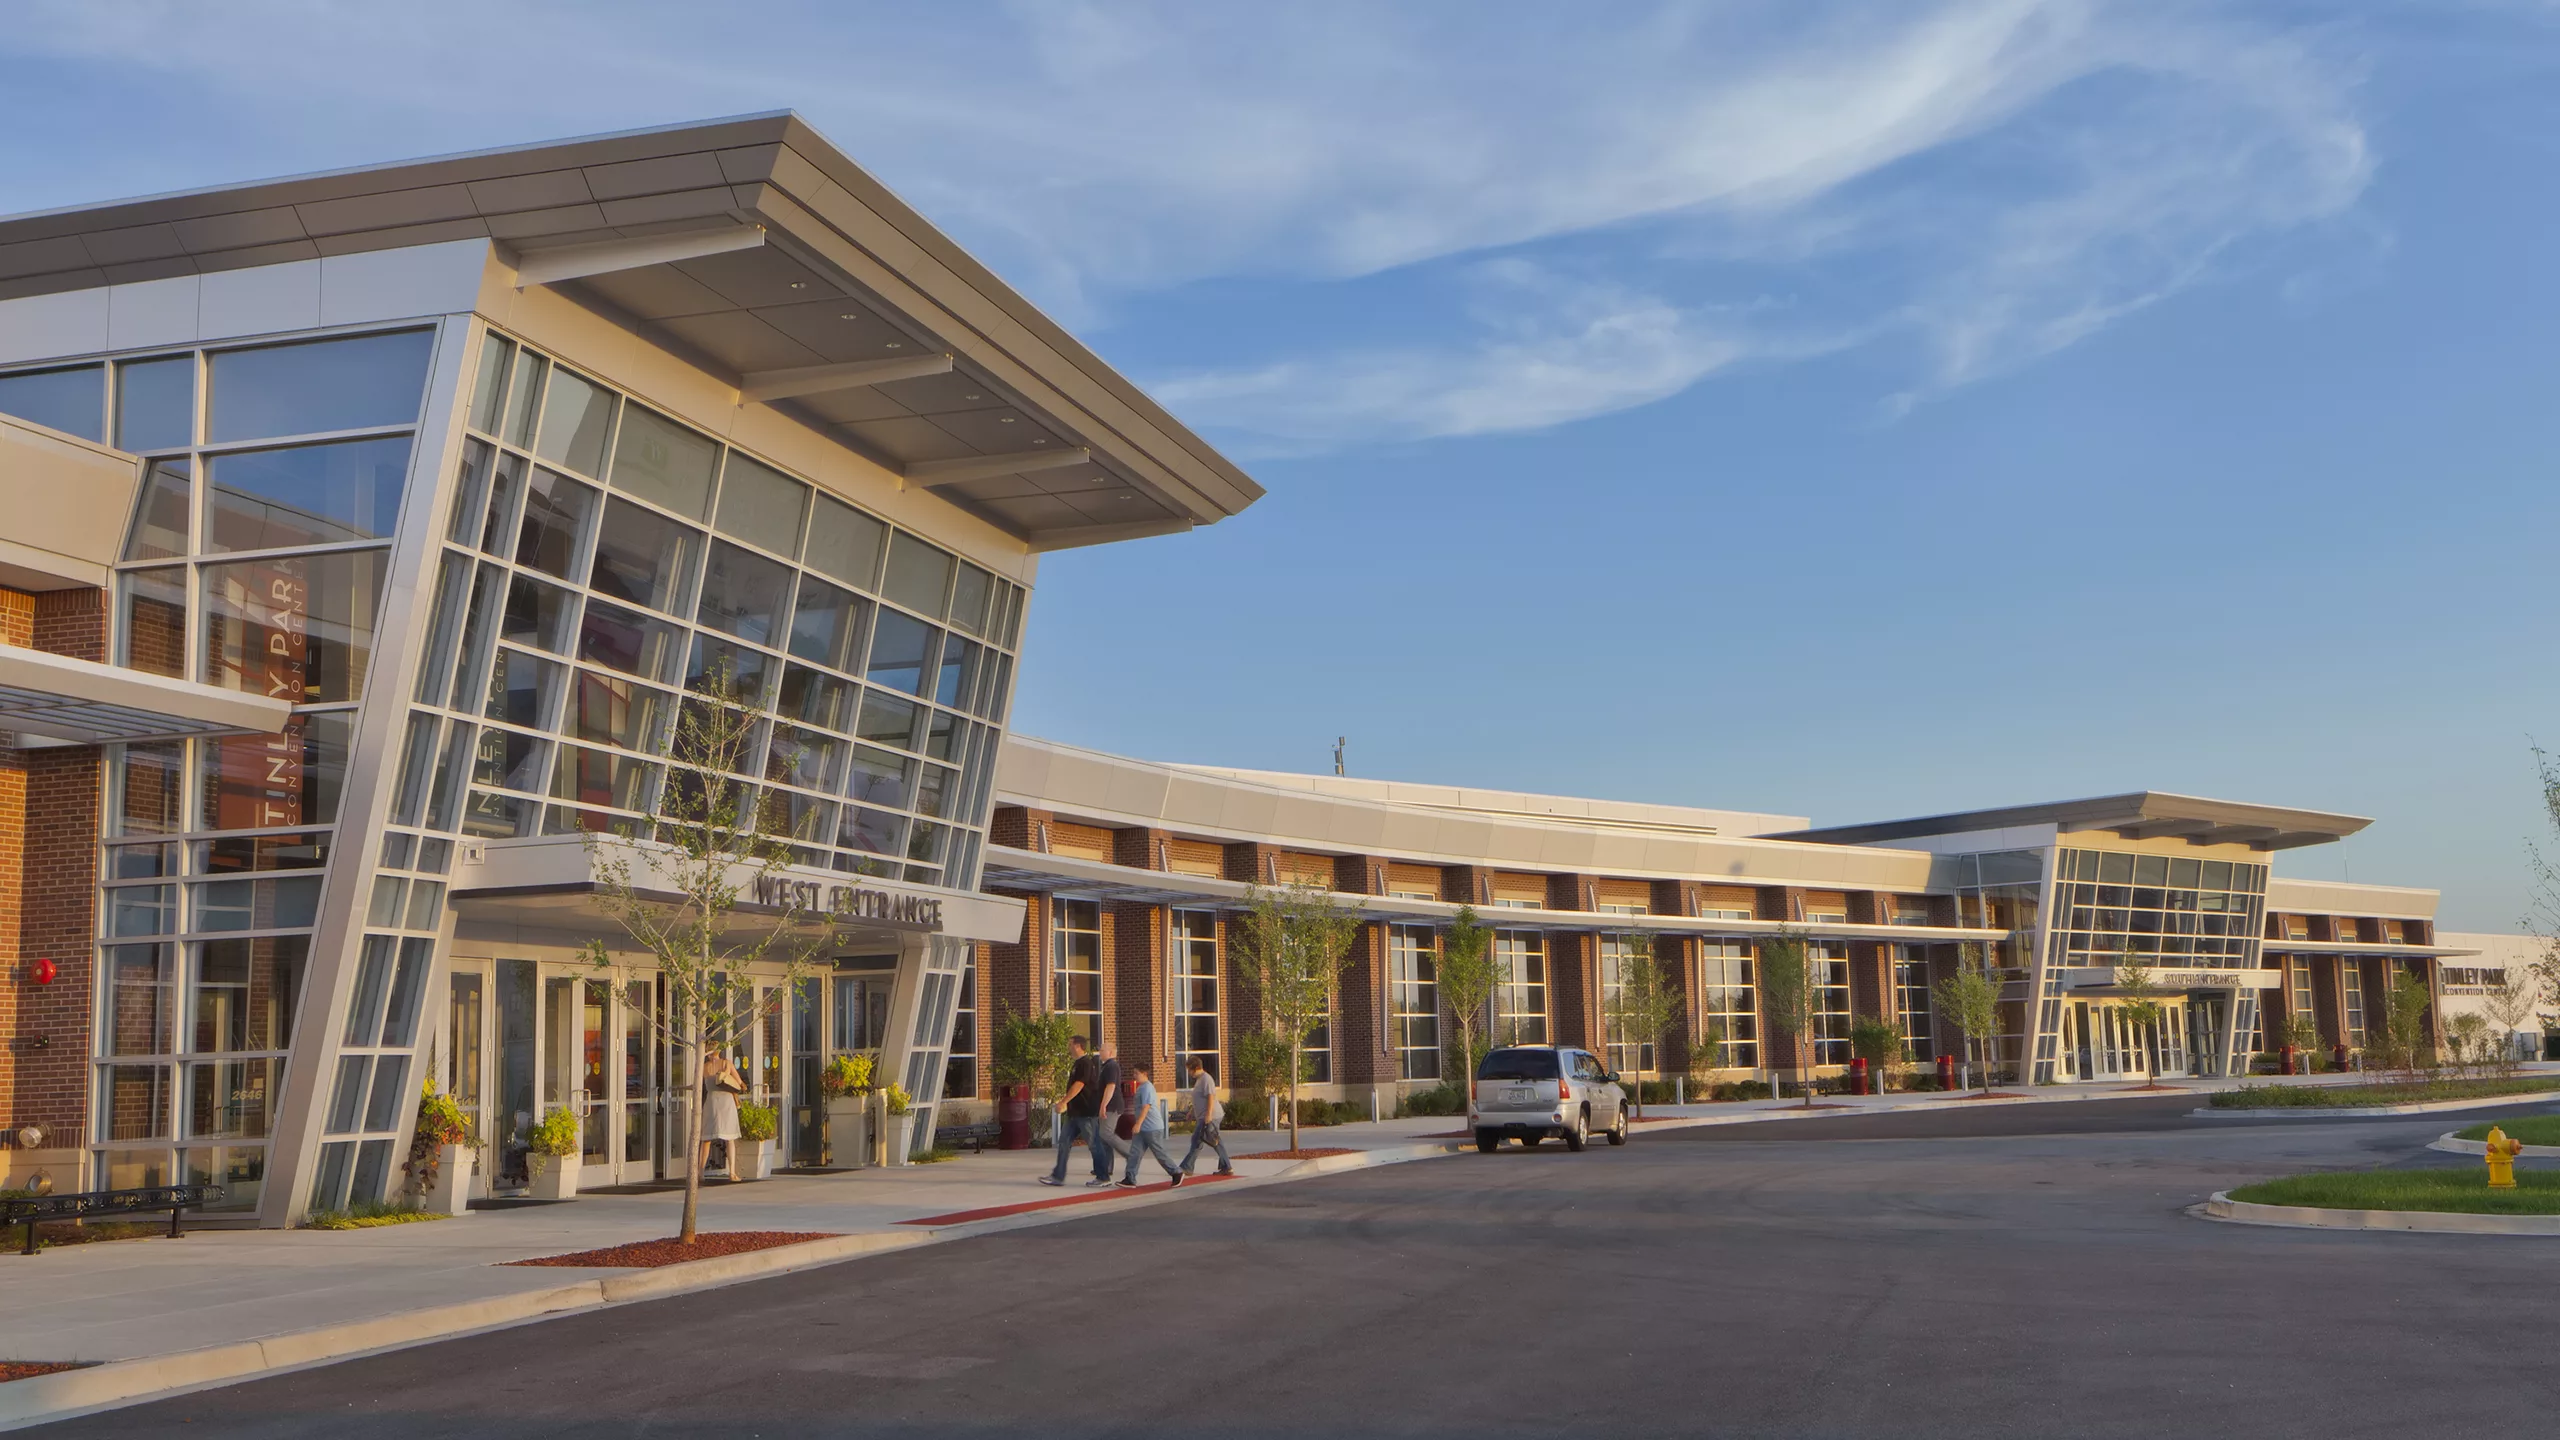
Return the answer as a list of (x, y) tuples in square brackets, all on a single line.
[(1314, 1152), (2464, 1191), (30, 1369), (2357, 1097), (649, 1254), (50, 1233), (2529, 1129)]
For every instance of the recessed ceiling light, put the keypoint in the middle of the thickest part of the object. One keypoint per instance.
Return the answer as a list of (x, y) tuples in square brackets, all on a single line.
[(849, 315), (1127, 496), (799, 284), (1004, 420), (895, 345), (973, 397)]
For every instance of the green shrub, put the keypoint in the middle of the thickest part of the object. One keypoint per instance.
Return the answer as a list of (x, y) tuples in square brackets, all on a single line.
[(1260, 1061), (2341, 1097), (557, 1136), (1444, 1098), (758, 1122), (935, 1156), (1741, 1090), (371, 1214)]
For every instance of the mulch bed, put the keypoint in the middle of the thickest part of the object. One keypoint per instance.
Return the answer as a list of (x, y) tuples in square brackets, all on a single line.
[(650, 1254), (29, 1369), (1995, 1095), (1313, 1153)]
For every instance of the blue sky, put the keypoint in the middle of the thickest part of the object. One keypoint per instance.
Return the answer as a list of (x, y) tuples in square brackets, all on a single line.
[(1843, 410)]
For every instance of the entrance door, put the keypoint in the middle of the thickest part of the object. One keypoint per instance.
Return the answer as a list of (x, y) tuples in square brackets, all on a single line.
[(595, 1111), (2082, 1049), (636, 1098)]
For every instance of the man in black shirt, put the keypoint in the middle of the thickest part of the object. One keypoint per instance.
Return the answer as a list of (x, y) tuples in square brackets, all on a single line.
[(1080, 1113)]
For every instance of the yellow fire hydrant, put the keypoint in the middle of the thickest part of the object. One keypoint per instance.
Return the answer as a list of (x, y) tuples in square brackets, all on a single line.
[(2502, 1159)]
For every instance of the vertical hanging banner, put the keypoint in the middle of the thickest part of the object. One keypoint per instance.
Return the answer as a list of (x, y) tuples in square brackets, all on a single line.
[(255, 782)]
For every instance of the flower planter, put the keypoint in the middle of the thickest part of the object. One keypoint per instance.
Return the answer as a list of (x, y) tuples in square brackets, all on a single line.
[(1013, 1117), (750, 1159), (555, 1177), (450, 1192), (849, 1131), (901, 1128)]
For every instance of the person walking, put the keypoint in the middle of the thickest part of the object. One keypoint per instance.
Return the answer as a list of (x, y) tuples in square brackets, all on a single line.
[(1148, 1135), (1079, 1113), (720, 1113), (1206, 1116), (1117, 1121)]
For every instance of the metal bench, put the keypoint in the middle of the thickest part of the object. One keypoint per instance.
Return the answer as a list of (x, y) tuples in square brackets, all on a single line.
[(33, 1210), (973, 1138)]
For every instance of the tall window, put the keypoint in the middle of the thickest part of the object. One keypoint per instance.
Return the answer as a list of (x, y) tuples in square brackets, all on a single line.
[(2351, 997), (1729, 998), (2299, 985), (1075, 974), (1630, 1058), (960, 1072), (1195, 990), (1911, 1002), (1520, 987), (1315, 1061), (1831, 1014), (1414, 997)]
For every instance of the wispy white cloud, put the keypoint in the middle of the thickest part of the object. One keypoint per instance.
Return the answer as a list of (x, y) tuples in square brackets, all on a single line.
[(1996, 178)]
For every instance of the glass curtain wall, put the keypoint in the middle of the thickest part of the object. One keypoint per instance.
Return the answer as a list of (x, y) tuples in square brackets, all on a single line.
[(602, 563), (1625, 1057), (254, 561)]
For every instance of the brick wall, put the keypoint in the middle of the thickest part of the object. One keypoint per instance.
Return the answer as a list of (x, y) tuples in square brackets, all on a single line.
[(48, 887), (1133, 981)]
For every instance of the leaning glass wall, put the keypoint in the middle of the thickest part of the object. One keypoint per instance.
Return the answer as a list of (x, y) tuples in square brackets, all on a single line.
[(255, 561)]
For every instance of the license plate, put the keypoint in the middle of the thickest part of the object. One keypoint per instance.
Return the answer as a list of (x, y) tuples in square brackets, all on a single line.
[(1520, 1095)]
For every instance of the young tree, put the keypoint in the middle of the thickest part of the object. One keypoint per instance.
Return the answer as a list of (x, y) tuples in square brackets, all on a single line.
[(1970, 1000), (1789, 996), (1645, 1004), (2466, 1041), (676, 898), (2404, 1024), (1031, 1051), (2301, 1032), (1291, 945), (1464, 969), (2142, 1008), (2509, 1006), (1879, 1042), (2544, 921)]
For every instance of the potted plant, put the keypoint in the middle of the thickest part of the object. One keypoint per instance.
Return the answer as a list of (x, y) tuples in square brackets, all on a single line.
[(901, 1108), (750, 1155), (441, 1151), (1030, 1059), (846, 1084), (554, 1157)]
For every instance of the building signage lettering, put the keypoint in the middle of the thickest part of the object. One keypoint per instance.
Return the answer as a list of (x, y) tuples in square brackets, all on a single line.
[(850, 902)]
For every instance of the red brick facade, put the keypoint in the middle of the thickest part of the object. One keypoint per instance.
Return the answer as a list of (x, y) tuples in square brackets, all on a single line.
[(49, 806)]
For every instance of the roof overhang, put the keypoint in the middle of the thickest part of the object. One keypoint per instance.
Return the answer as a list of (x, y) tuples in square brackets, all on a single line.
[(82, 702), (67, 500), (560, 883), (755, 249), (2141, 815), (1039, 872)]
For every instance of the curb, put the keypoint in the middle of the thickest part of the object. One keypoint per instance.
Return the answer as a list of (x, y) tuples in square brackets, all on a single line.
[(2431, 1107), (1362, 1160), (2451, 1144), (2431, 1222)]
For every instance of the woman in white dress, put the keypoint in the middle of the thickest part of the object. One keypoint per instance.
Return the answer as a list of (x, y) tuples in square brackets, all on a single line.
[(720, 1116)]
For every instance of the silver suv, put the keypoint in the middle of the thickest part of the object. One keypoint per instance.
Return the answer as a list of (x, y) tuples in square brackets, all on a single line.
[(1529, 1092)]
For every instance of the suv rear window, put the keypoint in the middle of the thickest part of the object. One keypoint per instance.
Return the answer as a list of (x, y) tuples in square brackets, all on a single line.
[(1518, 1065)]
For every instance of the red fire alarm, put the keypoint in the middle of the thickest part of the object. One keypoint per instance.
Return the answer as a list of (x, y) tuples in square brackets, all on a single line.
[(43, 971)]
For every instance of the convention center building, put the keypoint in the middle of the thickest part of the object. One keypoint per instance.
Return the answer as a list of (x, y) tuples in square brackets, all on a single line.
[(368, 531)]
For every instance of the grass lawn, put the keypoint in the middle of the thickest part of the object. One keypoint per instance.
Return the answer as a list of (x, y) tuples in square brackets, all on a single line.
[(2343, 1097), (2531, 1129), (2537, 1192)]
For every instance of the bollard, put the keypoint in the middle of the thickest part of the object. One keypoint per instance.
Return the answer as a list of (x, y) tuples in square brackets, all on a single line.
[(1679, 1089), (1858, 1075), (1373, 1104)]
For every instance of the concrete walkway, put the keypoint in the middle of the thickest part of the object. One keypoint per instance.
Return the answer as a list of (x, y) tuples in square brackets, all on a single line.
[(157, 1299)]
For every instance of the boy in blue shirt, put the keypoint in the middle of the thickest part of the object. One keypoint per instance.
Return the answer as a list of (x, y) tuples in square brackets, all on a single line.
[(1149, 1136)]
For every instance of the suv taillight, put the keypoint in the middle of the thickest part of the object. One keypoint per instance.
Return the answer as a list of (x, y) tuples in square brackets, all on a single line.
[(1564, 1090)]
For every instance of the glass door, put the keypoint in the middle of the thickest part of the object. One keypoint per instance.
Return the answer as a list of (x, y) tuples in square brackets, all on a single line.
[(519, 1046), (595, 1108), (636, 1101), (466, 1050)]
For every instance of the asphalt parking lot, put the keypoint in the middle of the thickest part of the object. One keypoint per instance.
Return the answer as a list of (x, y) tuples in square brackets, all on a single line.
[(2025, 1270)]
